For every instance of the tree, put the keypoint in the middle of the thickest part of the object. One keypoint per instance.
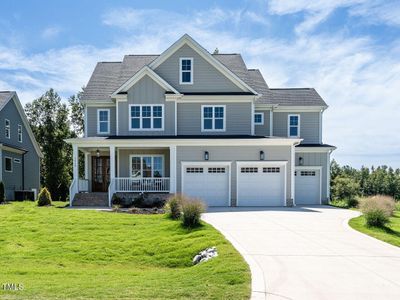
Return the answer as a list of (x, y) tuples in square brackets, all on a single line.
[(77, 111), (49, 120), (345, 188)]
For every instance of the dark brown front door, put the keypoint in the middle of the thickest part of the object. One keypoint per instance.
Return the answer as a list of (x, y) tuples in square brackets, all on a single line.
[(100, 173)]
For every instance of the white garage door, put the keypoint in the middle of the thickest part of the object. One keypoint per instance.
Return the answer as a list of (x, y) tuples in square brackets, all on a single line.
[(210, 183), (260, 185), (307, 189)]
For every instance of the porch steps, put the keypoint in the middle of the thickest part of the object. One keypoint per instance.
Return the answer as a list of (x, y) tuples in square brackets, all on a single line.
[(90, 199)]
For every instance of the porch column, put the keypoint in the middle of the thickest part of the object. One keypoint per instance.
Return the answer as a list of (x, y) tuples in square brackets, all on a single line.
[(87, 159), (112, 162), (172, 169), (75, 162)]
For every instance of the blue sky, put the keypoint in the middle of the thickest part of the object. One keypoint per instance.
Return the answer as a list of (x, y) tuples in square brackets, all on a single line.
[(348, 50)]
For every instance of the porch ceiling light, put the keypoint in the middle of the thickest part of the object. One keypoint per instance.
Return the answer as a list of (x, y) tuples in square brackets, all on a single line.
[(262, 155), (206, 155), (301, 161), (97, 153)]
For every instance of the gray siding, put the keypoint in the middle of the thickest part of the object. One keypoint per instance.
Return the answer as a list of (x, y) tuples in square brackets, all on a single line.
[(317, 159), (263, 129), (92, 120), (233, 153), (238, 118), (309, 125), (123, 160), (146, 91), (12, 180), (31, 158), (206, 78)]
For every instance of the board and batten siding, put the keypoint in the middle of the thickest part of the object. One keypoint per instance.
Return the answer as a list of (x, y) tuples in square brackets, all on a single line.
[(123, 164), (317, 159), (92, 120), (233, 154), (309, 126), (206, 78), (238, 119), (31, 158), (263, 129), (146, 91), (12, 180)]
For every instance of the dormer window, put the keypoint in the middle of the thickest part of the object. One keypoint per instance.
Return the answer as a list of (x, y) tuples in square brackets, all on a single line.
[(186, 70), (7, 128), (293, 125)]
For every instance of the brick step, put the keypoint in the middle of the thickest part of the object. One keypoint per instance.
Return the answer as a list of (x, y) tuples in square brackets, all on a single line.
[(90, 199)]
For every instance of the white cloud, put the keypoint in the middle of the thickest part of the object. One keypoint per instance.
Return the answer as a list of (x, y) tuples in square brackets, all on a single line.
[(51, 32)]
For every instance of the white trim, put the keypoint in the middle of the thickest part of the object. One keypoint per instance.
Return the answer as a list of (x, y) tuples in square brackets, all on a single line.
[(5, 165), (210, 98), (298, 125), (328, 176), (108, 120), (314, 149), (151, 118), (252, 119), (116, 116), (176, 117), (262, 118), (7, 128), (186, 39), (213, 118), (279, 163), (141, 164), (271, 123), (19, 133), (139, 75), (85, 121), (181, 71), (118, 165), (17, 160), (172, 169), (319, 169), (297, 109), (98, 104), (320, 127), (11, 149), (292, 169), (208, 164)]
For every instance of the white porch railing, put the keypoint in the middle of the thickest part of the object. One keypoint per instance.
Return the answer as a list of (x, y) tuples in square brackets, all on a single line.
[(153, 184), (73, 189)]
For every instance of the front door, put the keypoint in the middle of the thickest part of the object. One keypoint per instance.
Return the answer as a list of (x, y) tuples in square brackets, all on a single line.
[(100, 173)]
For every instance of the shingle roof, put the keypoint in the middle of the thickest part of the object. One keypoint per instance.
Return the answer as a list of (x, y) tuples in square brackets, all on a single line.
[(107, 77), (5, 96)]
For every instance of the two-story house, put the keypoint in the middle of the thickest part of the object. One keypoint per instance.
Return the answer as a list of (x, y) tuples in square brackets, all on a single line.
[(19, 152), (188, 121)]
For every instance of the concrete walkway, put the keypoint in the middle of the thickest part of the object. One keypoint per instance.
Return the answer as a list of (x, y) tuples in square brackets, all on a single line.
[(309, 253)]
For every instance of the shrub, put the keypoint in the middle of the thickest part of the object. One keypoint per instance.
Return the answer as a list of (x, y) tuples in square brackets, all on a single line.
[(116, 200), (2, 194), (192, 210), (377, 210), (44, 197), (173, 206), (345, 188)]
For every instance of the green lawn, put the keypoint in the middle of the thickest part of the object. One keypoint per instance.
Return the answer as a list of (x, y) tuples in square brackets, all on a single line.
[(57, 253), (389, 234)]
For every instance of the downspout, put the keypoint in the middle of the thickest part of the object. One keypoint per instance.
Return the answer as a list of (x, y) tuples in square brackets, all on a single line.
[(23, 171)]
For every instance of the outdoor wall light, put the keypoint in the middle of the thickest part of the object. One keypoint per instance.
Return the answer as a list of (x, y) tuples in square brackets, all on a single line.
[(206, 155), (97, 153), (262, 155), (301, 161)]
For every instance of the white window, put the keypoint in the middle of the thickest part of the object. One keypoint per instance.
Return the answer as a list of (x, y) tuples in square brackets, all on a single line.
[(259, 118), (103, 121), (146, 117), (7, 128), (8, 164), (186, 70), (147, 166), (17, 160), (293, 125), (20, 133), (213, 118)]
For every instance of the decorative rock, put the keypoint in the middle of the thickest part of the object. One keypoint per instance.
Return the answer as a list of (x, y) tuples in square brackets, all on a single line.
[(205, 255)]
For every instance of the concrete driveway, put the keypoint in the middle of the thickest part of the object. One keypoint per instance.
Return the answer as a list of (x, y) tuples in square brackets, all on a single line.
[(309, 253)]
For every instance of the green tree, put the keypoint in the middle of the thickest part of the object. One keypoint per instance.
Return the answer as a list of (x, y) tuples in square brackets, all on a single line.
[(49, 120), (77, 112), (345, 188)]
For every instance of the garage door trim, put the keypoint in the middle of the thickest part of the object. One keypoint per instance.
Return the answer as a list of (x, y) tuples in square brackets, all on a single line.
[(278, 163), (313, 168), (228, 164)]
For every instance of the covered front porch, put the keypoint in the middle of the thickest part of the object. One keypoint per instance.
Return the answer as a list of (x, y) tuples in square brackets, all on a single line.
[(114, 169)]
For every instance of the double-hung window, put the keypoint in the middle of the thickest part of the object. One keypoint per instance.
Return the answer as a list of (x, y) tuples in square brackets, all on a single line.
[(186, 70), (103, 121), (147, 166), (20, 133), (213, 118), (259, 119), (146, 117), (8, 164), (7, 127), (293, 125)]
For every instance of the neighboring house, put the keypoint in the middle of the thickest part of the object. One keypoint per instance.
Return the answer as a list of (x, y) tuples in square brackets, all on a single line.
[(19, 152), (201, 124)]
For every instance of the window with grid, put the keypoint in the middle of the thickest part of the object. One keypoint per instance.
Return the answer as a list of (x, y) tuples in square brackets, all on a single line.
[(147, 166), (103, 126), (213, 118), (186, 76), (146, 117), (259, 119), (293, 125)]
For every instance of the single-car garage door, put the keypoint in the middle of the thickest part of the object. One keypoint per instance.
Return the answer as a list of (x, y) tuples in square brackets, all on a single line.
[(207, 182), (308, 186), (261, 185)]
